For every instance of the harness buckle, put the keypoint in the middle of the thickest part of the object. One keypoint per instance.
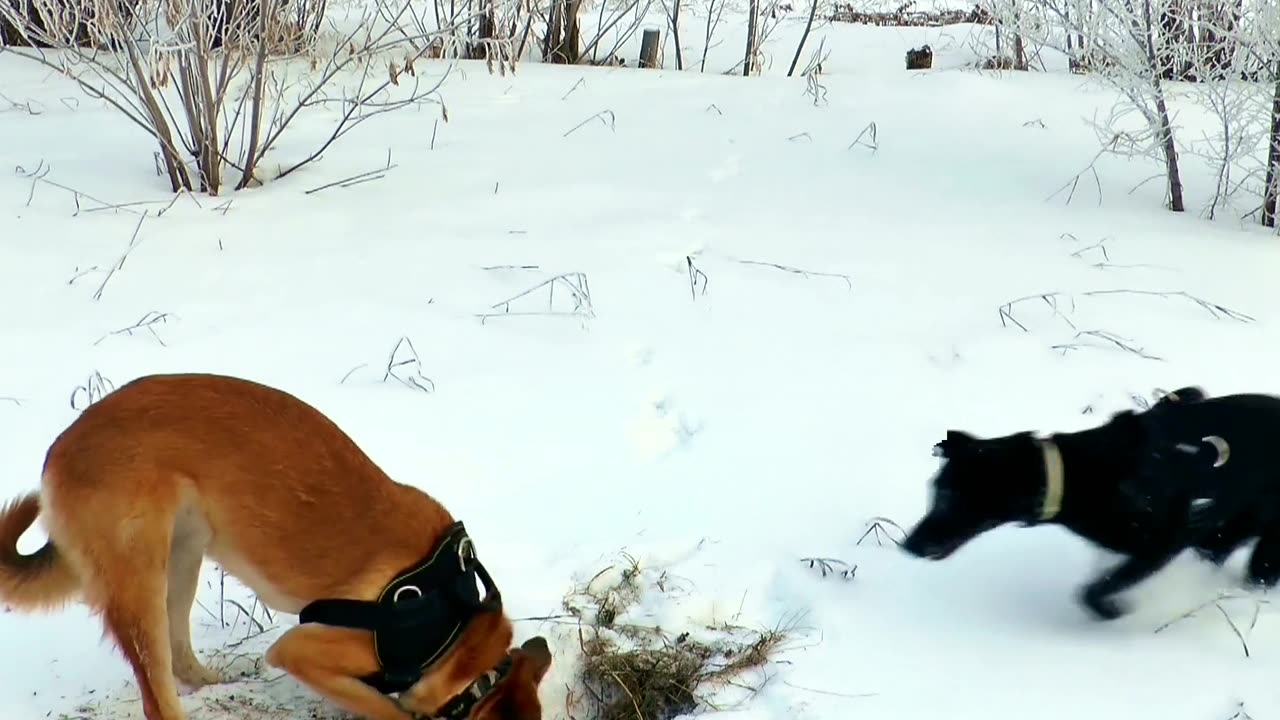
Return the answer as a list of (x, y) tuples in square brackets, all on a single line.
[(417, 593)]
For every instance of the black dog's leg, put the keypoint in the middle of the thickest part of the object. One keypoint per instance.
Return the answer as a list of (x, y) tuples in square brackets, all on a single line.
[(1098, 595), (1218, 546), (1264, 563)]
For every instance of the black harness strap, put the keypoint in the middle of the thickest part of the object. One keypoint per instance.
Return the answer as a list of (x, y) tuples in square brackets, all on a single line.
[(420, 614), (1174, 451)]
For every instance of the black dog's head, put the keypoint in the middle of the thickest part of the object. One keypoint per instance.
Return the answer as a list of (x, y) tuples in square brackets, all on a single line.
[(1188, 394), (983, 483)]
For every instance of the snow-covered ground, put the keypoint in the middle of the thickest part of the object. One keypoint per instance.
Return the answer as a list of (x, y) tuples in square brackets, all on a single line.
[(722, 431)]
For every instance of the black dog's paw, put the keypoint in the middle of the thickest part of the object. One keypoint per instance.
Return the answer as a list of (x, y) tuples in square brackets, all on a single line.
[(1217, 558), (1103, 607), (1261, 580), (1264, 568), (1215, 555)]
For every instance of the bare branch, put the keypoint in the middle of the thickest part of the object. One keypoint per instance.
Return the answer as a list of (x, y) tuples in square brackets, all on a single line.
[(578, 291), (148, 322), (358, 178), (797, 271), (133, 242)]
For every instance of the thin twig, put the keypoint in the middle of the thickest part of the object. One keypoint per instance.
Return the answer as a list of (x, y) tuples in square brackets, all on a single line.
[(39, 175), (133, 242), (871, 130), (1049, 298), (366, 176), (694, 275), (1216, 603), (798, 271), (581, 82), (93, 390), (598, 116), (832, 693), (148, 322), (877, 526), (575, 283), (1091, 168), (1213, 308), (415, 379), (1118, 342), (827, 566)]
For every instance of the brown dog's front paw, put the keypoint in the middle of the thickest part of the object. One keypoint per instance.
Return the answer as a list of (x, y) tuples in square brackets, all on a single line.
[(195, 675)]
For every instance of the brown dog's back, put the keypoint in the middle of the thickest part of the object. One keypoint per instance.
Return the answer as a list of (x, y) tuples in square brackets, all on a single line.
[(197, 449)]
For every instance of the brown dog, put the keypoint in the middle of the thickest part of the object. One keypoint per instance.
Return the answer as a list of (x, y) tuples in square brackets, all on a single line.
[(169, 469)]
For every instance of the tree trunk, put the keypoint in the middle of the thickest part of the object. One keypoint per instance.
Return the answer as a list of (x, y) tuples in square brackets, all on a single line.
[(486, 29), (1164, 127), (813, 11), (563, 43), (675, 33), (753, 17), (1273, 159), (1082, 23), (1019, 46), (1219, 19), (1175, 37), (1170, 154)]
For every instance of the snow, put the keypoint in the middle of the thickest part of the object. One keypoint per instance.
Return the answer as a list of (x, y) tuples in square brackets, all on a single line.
[(721, 433)]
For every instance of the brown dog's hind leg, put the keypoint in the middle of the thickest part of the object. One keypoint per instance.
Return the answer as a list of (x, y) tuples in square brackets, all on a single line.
[(134, 614), (187, 555), (122, 559), (135, 630), (330, 661)]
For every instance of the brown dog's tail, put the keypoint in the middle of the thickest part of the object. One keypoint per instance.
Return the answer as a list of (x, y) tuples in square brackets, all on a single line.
[(42, 580)]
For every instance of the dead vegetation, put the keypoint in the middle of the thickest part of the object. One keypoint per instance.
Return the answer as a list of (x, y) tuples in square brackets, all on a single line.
[(904, 16), (637, 671)]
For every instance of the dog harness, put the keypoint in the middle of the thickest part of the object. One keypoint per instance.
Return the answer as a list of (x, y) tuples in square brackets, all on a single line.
[(419, 615)]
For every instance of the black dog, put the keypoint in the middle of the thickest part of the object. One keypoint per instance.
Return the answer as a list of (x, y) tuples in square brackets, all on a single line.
[(1190, 472)]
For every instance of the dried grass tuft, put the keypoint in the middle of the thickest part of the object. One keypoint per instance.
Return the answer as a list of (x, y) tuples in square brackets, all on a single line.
[(635, 671)]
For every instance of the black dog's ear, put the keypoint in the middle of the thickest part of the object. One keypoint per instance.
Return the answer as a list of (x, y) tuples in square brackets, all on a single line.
[(955, 441)]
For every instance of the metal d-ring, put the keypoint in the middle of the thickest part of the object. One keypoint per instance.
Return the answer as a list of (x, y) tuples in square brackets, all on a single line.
[(396, 597), (466, 551)]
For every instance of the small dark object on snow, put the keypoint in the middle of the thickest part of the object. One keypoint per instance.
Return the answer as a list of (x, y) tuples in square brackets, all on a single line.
[(1190, 472), (920, 58)]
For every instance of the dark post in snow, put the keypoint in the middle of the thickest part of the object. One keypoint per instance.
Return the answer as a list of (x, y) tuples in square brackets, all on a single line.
[(649, 46), (920, 58)]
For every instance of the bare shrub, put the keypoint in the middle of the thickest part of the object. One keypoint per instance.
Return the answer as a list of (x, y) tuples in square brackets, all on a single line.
[(36, 14), (205, 78)]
